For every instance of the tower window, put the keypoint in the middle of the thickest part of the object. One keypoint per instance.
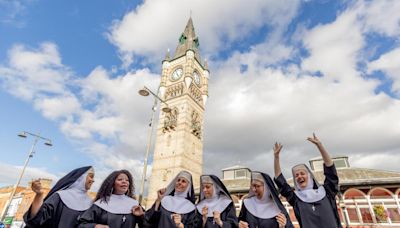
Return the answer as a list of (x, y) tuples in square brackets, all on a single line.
[(182, 39), (196, 42)]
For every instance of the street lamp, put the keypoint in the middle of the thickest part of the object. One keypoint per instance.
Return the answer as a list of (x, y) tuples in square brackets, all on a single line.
[(146, 92), (37, 137)]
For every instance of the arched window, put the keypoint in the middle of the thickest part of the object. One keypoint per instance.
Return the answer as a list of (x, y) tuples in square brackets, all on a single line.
[(384, 205)]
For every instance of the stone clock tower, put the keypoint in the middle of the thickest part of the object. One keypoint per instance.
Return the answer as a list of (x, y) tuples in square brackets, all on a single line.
[(179, 143)]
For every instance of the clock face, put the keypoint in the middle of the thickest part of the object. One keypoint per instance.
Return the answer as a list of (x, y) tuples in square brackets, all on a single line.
[(196, 77), (177, 74)]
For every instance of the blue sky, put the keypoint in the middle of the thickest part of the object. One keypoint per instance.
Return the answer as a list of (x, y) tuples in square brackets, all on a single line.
[(279, 69)]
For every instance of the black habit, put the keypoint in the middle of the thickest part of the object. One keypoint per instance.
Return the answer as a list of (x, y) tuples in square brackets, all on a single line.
[(255, 222), (320, 214), (96, 215), (54, 213), (228, 215), (163, 218)]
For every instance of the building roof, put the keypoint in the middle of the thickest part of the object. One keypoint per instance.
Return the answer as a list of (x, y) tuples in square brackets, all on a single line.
[(333, 157), (235, 167), (360, 176)]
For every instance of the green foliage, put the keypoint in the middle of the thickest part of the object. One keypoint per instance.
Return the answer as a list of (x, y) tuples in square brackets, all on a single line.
[(380, 213)]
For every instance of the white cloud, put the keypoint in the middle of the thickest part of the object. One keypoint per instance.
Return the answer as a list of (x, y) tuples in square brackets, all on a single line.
[(265, 105), (382, 17), (156, 25), (10, 174), (100, 118), (56, 107), (287, 104), (390, 64), (333, 47), (33, 71)]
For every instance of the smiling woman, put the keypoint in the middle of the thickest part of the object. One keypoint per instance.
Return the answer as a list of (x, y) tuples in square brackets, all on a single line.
[(65, 202), (263, 207), (115, 205), (314, 204), (174, 206)]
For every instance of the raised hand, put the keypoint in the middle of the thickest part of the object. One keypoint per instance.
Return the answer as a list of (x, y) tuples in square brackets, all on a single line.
[(243, 224), (277, 149), (277, 166), (160, 194), (37, 187), (281, 219), (204, 212), (137, 211), (325, 155), (314, 140), (217, 218), (177, 220)]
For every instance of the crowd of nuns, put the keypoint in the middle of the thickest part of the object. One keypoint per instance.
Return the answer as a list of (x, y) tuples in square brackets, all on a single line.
[(68, 205)]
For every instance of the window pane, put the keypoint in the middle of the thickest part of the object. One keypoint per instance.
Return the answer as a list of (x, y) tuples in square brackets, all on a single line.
[(366, 215), (228, 174), (240, 173), (341, 163), (394, 214), (353, 215)]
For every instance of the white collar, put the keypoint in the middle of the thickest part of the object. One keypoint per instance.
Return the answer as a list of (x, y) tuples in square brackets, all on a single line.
[(264, 208), (75, 197), (177, 204), (117, 204), (214, 204), (219, 201)]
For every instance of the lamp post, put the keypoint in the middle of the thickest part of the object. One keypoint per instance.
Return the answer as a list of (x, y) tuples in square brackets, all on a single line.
[(37, 137), (146, 92)]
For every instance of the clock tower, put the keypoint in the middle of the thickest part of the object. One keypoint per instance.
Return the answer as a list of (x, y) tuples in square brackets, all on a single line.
[(184, 87)]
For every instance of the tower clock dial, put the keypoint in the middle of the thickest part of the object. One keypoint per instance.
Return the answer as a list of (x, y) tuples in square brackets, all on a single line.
[(177, 74), (196, 78)]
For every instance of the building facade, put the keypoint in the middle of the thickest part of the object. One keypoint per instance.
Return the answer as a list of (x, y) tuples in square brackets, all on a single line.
[(21, 202)]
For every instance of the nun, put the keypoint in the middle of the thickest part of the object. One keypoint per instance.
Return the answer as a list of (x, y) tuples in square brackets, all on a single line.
[(174, 206), (114, 205), (65, 202), (262, 206), (215, 204), (314, 205)]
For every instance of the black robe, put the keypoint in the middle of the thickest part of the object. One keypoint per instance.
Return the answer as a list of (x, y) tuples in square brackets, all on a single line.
[(162, 218), (228, 217), (320, 214), (53, 214), (255, 222), (96, 215)]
